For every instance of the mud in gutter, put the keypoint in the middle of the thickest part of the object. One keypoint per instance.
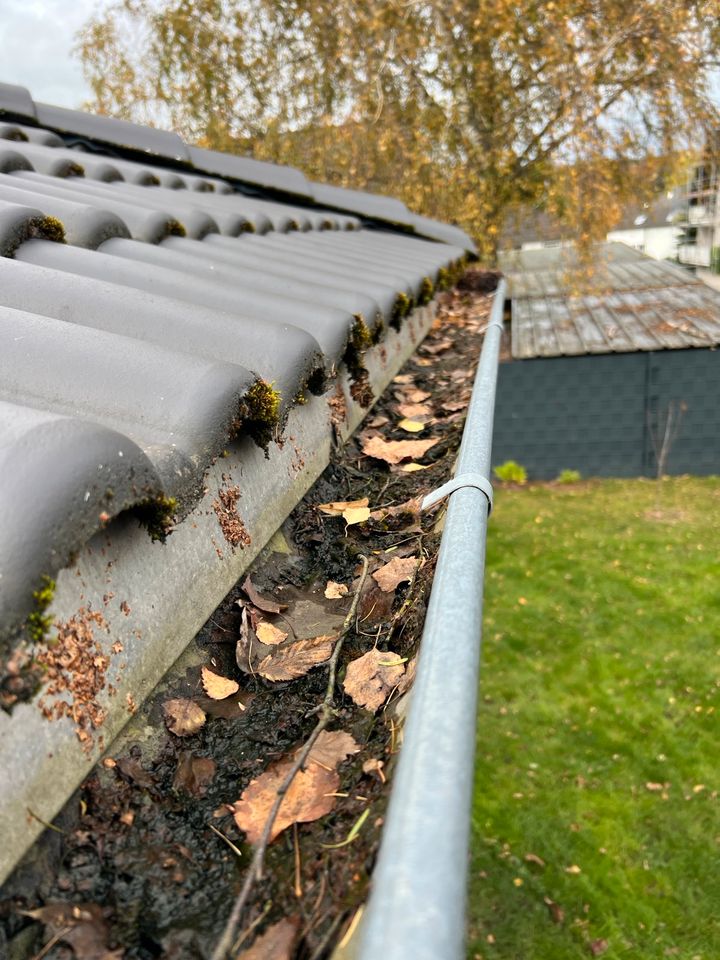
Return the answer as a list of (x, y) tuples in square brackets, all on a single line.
[(146, 859)]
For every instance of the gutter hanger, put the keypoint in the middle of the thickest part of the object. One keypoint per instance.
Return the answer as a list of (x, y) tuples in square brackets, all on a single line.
[(416, 909)]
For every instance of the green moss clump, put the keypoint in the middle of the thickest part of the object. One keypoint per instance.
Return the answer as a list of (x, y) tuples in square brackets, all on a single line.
[(444, 279), (157, 516), (52, 229), (247, 227), (427, 290), (39, 621), (260, 412), (401, 308), (176, 229), (360, 337), (378, 329), (263, 403)]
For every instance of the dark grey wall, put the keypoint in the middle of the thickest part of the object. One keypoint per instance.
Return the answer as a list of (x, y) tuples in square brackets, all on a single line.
[(593, 413)]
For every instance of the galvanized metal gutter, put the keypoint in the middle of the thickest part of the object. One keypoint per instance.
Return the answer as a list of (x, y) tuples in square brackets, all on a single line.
[(416, 909)]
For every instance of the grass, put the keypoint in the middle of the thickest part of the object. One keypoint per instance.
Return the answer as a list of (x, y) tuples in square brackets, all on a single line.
[(598, 742)]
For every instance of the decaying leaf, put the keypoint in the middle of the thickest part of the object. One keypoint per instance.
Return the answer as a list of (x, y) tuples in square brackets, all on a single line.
[(406, 680), (375, 767), (262, 603), (81, 926), (217, 687), (333, 590), (411, 426), (598, 947), (308, 798), (352, 511), (133, 771), (194, 774), (557, 914), (412, 467), (414, 410), (183, 717), (370, 679), (292, 660), (332, 747), (277, 943), (394, 451), (413, 395), (395, 572), (270, 634)]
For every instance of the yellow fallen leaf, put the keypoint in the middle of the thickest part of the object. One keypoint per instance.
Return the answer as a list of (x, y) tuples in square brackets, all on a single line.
[(412, 467), (333, 590), (356, 515), (352, 511), (270, 634), (217, 687), (411, 426), (574, 869)]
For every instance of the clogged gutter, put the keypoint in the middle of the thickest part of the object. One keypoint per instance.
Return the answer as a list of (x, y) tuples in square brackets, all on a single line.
[(158, 842)]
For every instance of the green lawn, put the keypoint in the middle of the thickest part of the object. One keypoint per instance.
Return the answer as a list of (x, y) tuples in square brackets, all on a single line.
[(598, 736)]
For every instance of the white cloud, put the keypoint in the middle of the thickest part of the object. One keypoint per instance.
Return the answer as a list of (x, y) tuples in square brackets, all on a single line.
[(36, 37)]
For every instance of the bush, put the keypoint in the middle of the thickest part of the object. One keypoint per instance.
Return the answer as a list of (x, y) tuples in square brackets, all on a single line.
[(511, 472), (569, 476)]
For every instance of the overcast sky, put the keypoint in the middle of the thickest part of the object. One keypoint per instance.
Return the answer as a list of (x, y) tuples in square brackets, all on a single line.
[(35, 41)]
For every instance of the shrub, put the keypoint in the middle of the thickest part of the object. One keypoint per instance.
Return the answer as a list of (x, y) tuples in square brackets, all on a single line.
[(511, 472), (569, 476)]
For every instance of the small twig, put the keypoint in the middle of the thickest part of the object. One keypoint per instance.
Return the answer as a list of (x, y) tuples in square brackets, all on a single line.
[(327, 712), (298, 891), (249, 929), (228, 841), (45, 823), (51, 943)]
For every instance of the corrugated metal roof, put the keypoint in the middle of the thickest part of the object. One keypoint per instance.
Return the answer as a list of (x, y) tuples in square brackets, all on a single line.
[(140, 307), (630, 303), (23, 118)]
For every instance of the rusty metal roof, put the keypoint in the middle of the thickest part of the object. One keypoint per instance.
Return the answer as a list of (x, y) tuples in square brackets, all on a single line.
[(624, 302)]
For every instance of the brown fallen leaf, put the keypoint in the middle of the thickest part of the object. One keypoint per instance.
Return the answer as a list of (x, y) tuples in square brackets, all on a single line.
[(406, 680), (399, 569), (411, 426), (414, 410), (352, 511), (453, 406), (262, 603), (333, 590), (534, 858), (373, 766), (308, 798), (394, 451), (183, 717), (270, 634), (134, 772), (440, 347), (217, 687), (370, 679), (332, 747), (81, 926), (375, 606), (413, 395), (276, 943), (194, 774), (293, 660), (557, 914), (403, 378), (405, 512), (598, 947)]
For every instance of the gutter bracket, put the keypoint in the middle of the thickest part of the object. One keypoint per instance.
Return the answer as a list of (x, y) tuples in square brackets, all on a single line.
[(464, 480)]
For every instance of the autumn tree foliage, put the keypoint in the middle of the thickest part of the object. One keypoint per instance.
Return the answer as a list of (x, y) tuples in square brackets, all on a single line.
[(461, 108)]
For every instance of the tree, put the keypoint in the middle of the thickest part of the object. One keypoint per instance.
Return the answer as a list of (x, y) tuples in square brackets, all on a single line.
[(461, 108)]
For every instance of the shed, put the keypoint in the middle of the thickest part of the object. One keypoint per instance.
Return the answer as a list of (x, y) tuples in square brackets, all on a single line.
[(599, 358)]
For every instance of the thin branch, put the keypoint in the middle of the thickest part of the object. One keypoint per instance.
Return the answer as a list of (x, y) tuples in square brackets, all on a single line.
[(327, 712)]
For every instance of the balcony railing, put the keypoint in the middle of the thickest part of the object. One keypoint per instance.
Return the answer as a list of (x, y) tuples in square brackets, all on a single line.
[(693, 254)]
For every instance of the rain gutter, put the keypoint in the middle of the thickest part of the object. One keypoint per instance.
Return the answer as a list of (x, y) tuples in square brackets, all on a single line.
[(416, 909)]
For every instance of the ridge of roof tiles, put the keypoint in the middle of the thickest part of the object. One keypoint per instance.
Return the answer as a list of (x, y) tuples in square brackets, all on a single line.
[(148, 316), (22, 114)]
